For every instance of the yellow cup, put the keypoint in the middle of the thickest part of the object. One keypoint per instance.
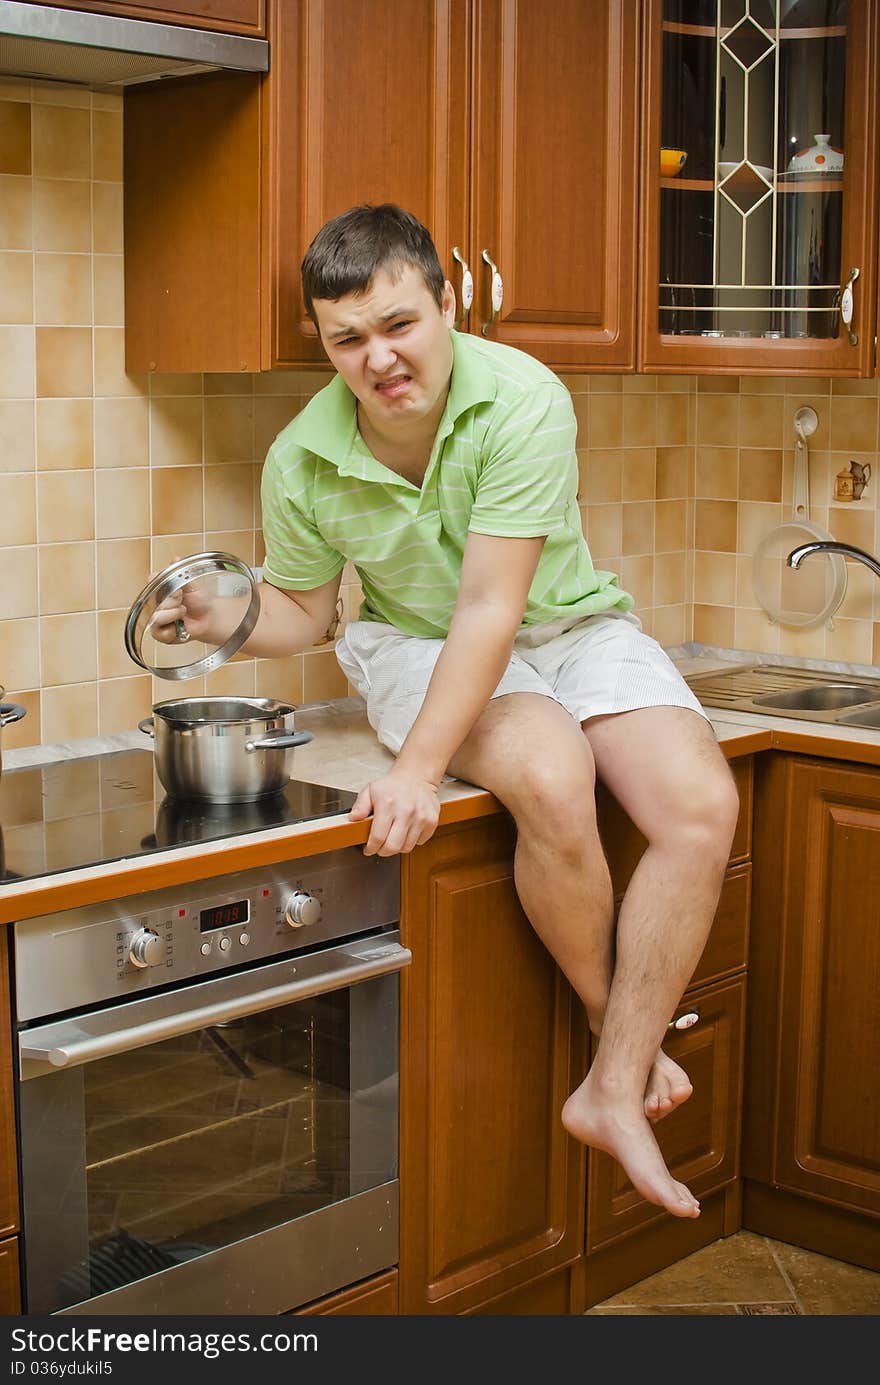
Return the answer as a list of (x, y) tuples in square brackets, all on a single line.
[(672, 162)]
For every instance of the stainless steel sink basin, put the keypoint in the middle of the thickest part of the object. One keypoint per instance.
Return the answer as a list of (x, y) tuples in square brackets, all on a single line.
[(787, 691), (820, 697), (868, 716)]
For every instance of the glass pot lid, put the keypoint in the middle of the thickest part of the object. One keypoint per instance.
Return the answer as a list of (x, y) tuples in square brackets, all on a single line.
[(218, 581)]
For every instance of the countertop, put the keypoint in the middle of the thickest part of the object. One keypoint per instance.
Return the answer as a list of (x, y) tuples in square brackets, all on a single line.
[(345, 754)]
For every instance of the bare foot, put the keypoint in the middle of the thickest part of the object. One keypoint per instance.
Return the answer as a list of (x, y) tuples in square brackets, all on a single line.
[(668, 1086), (606, 1121)]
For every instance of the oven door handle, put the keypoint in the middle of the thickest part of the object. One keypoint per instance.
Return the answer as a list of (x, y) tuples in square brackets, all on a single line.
[(104, 1033)]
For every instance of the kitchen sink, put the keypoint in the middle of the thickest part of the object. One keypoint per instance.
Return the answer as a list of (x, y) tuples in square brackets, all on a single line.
[(791, 692)]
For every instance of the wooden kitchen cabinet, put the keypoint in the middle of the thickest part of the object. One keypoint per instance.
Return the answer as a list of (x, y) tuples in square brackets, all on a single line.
[(744, 257), (226, 16), (812, 1121), (468, 142), (492, 1187), (8, 1153), (375, 1297)]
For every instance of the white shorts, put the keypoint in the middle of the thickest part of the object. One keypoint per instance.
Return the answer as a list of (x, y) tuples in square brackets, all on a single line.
[(591, 667)]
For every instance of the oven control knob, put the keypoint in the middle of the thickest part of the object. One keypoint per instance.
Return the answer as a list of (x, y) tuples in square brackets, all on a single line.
[(302, 909), (147, 948)]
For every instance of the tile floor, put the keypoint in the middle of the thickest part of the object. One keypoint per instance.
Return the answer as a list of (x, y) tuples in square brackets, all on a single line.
[(747, 1274)]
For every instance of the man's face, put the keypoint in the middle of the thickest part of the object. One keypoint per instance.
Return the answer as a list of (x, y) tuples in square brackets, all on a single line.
[(391, 345)]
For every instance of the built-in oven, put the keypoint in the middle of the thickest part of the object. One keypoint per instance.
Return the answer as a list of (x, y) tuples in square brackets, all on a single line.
[(208, 1092)]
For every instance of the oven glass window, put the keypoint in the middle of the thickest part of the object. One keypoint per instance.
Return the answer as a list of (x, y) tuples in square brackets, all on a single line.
[(135, 1163)]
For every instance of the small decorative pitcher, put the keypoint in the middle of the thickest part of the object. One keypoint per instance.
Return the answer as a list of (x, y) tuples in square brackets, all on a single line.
[(861, 474)]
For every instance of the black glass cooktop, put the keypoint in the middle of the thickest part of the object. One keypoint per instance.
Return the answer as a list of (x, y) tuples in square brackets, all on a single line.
[(100, 808)]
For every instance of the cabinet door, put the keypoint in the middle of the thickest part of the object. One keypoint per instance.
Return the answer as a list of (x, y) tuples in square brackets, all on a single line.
[(699, 1140), (368, 104), (374, 1297), (748, 247), (8, 1155), (814, 1128), (491, 1185), (10, 1287), (554, 174), (226, 16)]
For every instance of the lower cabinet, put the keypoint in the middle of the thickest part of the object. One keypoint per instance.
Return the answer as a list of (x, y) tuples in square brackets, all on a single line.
[(10, 1289), (8, 1153), (372, 1297), (812, 1120), (492, 1187)]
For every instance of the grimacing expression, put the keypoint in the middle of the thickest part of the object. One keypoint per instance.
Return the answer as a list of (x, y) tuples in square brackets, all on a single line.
[(391, 345)]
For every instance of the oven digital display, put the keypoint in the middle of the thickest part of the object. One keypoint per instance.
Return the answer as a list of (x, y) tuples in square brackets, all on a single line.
[(224, 915)]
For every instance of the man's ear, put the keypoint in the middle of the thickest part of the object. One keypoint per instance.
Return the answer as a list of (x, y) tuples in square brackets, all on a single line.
[(447, 304)]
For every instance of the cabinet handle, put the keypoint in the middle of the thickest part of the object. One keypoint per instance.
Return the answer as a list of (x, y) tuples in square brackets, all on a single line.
[(686, 1021), (845, 304), (496, 292), (467, 285)]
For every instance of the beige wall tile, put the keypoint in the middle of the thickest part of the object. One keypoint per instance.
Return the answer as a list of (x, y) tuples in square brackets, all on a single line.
[(760, 474), (67, 578), (241, 384), (107, 219), (18, 582), (18, 511), (854, 525), (322, 677), (64, 362), (858, 602), (109, 290), (718, 420), (15, 137), (636, 574), (716, 472), (15, 212), (606, 421), (270, 416), (123, 570), (714, 625), (110, 376), (16, 286), (68, 649), (64, 434), (670, 624), (844, 386), (235, 679), (672, 420), (20, 654), (875, 658), (674, 468), (177, 500), (107, 146), (280, 678), (164, 386), (670, 579), (283, 381), (715, 526), (16, 362), (122, 432), (167, 549), (854, 424), (229, 497), (113, 659), (61, 142), (637, 528), (602, 482), (70, 713), (755, 520), (28, 731), (717, 384), (639, 420), (715, 579), (761, 421), (670, 526), (581, 405), (755, 630), (50, 93), (639, 473), (604, 529), (62, 290), (66, 506), (176, 431), (122, 503), (803, 643), (16, 435), (239, 542), (122, 703), (62, 215)]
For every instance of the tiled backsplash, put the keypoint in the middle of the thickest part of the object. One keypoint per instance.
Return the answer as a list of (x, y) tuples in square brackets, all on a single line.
[(105, 477)]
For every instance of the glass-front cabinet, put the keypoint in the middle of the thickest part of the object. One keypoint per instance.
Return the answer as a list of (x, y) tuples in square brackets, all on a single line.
[(759, 179)]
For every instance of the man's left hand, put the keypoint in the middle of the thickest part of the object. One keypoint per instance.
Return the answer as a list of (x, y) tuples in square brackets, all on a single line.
[(405, 811)]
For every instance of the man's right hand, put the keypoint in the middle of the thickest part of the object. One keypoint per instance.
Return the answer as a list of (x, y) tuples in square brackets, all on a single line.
[(194, 608)]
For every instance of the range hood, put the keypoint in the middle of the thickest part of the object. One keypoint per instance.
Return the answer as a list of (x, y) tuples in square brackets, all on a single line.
[(102, 50)]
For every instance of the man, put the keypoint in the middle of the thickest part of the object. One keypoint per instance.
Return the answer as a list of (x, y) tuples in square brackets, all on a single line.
[(443, 466)]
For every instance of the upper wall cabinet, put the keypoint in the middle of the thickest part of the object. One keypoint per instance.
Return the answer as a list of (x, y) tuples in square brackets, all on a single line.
[(509, 129), (759, 251), (226, 16)]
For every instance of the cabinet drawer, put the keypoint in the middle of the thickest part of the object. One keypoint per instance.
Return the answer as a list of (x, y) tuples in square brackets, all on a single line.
[(699, 1140), (726, 950), (374, 1297), (624, 843), (10, 1293)]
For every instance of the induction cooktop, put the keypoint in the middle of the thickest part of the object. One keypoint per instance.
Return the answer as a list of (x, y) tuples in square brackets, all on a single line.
[(101, 808)]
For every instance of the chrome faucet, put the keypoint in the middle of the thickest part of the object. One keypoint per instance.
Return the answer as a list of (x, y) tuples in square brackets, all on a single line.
[(797, 555)]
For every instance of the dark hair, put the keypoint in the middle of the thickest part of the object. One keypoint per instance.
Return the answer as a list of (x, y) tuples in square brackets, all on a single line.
[(348, 250)]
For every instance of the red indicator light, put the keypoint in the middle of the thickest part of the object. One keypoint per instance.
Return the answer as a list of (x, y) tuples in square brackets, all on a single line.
[(265, 894), (181, 913)]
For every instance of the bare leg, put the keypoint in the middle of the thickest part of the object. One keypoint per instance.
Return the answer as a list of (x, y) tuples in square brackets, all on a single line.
[(684, 801)]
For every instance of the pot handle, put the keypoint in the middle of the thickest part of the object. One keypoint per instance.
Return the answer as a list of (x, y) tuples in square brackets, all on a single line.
[(146, 726), (280, 742), (10, 712)]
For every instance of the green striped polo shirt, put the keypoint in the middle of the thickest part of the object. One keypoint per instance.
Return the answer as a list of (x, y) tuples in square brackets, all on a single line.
[(503, 462)]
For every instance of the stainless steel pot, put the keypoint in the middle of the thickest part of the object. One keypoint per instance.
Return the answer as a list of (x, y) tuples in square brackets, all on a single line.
[(9, 712), (223, 749)]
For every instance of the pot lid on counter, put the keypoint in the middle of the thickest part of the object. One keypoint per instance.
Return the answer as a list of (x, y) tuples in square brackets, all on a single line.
[(205, 577)]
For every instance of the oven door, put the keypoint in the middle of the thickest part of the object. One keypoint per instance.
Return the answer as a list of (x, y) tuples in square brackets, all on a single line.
[(226, 1147)]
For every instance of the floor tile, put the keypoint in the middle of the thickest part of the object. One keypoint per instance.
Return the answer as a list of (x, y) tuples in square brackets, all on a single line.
[(690, 1310), (738, 1269), (828, 1286)]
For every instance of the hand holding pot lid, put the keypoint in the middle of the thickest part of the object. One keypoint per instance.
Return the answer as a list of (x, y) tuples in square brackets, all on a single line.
[(193, 615)]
